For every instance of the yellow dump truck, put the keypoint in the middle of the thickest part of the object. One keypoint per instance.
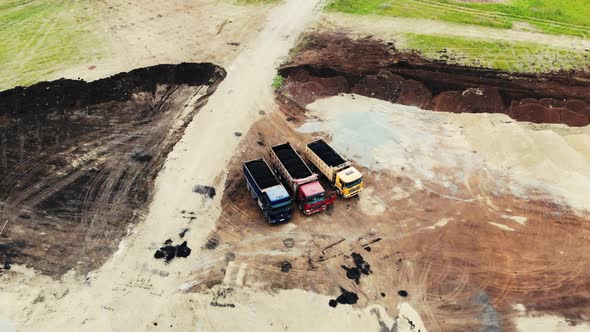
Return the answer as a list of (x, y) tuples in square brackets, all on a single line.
[(347, 180)]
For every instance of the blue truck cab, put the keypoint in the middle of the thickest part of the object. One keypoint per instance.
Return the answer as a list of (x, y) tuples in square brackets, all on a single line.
[(272, 197)]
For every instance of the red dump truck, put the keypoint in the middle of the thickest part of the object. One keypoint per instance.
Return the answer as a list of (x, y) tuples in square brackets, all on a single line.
[(304, 183)]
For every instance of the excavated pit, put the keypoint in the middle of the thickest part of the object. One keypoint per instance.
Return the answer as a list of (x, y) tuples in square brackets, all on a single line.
[(329, 64), (78, 160)]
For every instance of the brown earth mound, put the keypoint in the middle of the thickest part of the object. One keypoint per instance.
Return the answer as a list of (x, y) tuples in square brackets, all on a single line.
[(538, 113), (535, 113), (378, 70), (304, 88), (391, 87), (474, 100)]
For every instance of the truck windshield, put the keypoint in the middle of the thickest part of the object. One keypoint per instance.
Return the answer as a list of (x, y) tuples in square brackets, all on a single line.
[(353, 183), (280, 208), (315, 198)]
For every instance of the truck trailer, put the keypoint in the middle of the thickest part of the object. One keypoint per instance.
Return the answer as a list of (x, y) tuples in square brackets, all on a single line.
[(303, 183), (271, 195), (347, 180)]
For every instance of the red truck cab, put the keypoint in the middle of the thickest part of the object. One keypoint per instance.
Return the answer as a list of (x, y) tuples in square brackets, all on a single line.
[(312, 198)]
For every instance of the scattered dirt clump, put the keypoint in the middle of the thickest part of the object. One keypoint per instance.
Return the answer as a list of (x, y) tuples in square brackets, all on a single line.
[(360, 267), (207, 191), (168, 252), (345, 298), (286, 266)]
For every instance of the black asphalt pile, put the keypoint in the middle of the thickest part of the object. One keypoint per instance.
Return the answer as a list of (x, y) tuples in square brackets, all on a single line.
[(345, 298), (65, 93), (360, 267), (207, 191), (169, 251)]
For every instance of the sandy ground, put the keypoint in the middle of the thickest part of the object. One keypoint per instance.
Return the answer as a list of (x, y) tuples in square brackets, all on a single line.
[(393, 28), (146, 33), (549, 158)]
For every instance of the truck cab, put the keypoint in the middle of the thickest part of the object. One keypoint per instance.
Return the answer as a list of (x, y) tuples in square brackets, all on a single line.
[(346, 179), (349, 182), (312, 198), (271, 196), (276, 204)]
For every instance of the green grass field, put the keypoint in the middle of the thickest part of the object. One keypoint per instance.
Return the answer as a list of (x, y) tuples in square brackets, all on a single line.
[(570, 17), (507, 56), (40, 37)]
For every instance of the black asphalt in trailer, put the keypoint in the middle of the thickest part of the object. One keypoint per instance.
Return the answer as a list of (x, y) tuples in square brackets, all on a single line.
[(261, 174), (326, 153), (292, 162)]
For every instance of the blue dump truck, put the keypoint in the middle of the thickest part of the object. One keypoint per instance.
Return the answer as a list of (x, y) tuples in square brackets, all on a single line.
[(273, 198)]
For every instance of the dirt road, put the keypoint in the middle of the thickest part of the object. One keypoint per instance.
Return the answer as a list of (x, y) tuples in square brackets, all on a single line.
[(109, 298)]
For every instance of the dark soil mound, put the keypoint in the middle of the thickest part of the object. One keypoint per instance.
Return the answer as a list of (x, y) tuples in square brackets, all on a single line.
[(79, 160)]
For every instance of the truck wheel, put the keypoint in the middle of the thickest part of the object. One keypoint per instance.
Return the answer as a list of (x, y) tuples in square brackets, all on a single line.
[(339, 192)]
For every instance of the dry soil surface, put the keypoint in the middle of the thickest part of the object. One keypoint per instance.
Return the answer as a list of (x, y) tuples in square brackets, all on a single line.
[(146, 33), (455, 230)]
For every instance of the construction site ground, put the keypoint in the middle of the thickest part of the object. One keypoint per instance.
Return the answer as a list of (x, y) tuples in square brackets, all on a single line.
[(124, 207)]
